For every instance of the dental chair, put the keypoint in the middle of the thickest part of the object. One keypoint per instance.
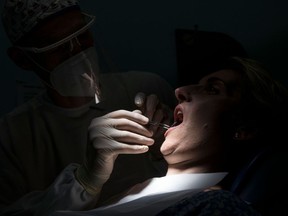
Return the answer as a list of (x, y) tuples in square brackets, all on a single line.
[(263, 182)]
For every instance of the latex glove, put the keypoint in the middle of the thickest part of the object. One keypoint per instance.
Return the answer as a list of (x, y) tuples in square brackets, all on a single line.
[(156, 112), (118, 132)]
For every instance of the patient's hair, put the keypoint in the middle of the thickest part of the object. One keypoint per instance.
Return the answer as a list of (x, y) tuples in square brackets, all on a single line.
[(263, 110), (264, 102)]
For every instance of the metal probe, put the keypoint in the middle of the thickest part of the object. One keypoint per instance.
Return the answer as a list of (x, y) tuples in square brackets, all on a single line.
[(158, 124)]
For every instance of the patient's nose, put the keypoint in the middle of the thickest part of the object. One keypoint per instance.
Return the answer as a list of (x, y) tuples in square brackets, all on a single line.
[(183, 94)]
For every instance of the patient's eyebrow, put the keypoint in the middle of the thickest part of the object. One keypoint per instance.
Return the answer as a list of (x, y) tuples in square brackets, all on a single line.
[(215, 79), (230, 85)]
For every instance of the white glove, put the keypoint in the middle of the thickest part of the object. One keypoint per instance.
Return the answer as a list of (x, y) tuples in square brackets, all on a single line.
[(118, 132), (157, 112), (152, 107)]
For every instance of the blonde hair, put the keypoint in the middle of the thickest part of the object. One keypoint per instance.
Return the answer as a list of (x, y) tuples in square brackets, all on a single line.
[(264, 99), (265, 89)]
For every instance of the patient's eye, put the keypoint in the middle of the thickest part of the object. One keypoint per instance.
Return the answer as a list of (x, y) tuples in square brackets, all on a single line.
[(212, 89), (213, 86)]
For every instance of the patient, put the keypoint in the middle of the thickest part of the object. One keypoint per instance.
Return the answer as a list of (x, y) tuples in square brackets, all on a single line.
[(220, 123)]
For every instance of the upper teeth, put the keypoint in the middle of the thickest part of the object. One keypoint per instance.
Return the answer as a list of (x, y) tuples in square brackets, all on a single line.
[(179, 116)]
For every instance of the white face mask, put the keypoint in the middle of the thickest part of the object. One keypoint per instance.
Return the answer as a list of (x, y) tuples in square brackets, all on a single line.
[(77, 76)]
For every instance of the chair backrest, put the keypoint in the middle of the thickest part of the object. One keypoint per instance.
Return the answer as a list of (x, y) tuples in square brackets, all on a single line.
[(198, 51), (263, 183)]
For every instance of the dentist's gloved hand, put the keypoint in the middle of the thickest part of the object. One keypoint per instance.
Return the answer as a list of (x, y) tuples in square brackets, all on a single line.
[(118, 132), (151, 106), (157, 112)]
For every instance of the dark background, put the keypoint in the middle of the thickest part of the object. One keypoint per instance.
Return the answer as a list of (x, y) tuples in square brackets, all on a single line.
[(140, 35)]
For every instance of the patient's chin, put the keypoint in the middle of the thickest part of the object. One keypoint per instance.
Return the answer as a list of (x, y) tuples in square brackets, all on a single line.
[(167, 150)]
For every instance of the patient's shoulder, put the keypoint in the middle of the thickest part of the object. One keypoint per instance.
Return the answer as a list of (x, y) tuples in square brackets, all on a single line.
[(213, 202)]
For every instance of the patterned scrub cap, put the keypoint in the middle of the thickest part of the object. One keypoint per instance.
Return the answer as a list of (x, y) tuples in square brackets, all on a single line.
[(20, 16)]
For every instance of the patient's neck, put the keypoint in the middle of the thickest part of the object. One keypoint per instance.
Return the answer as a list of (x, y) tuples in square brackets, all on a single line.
[(177, 169)]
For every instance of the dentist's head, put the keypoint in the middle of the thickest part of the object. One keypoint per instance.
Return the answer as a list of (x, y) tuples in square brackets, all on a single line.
[(52, 38)]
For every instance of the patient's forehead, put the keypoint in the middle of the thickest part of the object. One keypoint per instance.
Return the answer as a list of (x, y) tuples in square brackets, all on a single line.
[(226, 75)]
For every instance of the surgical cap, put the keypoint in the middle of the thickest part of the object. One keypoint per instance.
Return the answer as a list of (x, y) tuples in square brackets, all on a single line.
[(20, 16)]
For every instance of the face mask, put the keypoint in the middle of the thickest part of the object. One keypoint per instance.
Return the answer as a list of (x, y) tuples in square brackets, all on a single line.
[(77, 76)]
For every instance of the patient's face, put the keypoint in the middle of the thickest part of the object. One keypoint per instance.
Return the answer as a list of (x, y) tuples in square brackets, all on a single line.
[(201, 116)]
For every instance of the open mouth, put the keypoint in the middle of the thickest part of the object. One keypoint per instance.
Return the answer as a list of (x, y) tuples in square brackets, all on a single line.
[(178, 117)]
